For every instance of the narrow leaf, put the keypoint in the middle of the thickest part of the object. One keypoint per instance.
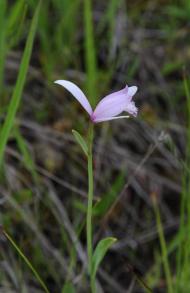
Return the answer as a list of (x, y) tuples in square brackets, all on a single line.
[(27, 158), (2, 40), (68, 288), (26, 260), (102, 206), (100, 251), (15, 22), (90, 52), (17, 94), (80, 141)]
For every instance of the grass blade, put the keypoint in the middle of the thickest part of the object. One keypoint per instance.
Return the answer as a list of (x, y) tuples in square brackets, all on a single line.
[(17, 93), (16, 23), (163, 245), (29, 264), (90, 53), (2, 40), (183, 254)]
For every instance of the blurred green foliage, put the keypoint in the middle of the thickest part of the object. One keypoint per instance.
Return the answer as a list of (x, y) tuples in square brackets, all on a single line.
[(99, 45)]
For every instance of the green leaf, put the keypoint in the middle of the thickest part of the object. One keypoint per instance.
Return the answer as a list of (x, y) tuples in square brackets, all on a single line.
[(68, 288), (15, 15), (17, 94), (100, 252), (80, 141), (102, 206), (26, 260), (15, 22), (27, 157), (2, 40), (90, 53)]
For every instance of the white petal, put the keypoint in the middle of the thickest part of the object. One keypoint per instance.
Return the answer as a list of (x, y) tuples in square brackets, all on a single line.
[(77, 93), (132, 91), (110, 118)]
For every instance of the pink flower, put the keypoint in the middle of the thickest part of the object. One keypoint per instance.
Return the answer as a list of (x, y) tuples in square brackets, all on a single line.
[(109, 107)]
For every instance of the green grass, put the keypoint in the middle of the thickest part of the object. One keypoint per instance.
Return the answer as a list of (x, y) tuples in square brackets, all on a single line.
[(163, 247), (18, 90), (183, 255), (100, 46), (3, 25), (90, 53), (16, 23), (26, 260)]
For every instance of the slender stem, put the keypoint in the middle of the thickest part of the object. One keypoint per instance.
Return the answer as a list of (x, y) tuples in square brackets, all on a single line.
[(89, 208)]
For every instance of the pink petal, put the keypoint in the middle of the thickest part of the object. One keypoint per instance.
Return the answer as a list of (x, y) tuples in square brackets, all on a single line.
[(77, 93), (132, 109), (113, 104)]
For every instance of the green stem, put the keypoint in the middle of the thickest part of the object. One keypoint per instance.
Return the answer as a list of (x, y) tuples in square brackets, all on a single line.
[(89, 208)]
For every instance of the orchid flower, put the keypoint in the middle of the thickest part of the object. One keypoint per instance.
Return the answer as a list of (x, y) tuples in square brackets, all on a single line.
[(109, 107)]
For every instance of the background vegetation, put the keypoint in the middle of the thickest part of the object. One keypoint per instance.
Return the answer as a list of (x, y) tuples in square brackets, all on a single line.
[(142, 194)]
